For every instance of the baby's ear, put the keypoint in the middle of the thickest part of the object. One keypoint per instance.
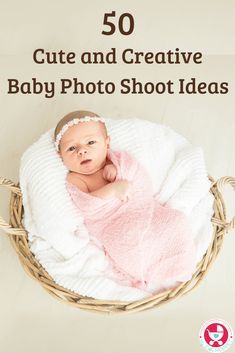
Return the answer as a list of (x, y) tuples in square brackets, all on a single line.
[(108, 140)]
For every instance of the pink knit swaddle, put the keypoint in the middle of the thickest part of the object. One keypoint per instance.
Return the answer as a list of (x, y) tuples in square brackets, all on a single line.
[(147, 243)]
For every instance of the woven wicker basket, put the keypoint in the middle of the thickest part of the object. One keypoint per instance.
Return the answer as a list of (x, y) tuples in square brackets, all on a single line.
[(18, 237)]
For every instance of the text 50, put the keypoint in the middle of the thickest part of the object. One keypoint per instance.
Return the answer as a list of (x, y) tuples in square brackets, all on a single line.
[(108, 22)]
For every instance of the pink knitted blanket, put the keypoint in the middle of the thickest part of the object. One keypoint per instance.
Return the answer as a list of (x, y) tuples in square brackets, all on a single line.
[(146, 243)]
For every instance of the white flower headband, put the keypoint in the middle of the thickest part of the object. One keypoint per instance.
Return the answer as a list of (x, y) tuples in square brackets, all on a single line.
[(74, 122)]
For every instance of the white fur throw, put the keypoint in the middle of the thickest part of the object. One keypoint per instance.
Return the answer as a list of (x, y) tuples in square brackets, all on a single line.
[(57, 234)]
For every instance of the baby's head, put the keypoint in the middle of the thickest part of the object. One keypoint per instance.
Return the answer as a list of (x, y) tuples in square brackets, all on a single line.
[(84, 138)]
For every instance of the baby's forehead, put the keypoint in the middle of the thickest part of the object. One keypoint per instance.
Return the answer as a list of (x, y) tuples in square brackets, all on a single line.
[(83, 130)]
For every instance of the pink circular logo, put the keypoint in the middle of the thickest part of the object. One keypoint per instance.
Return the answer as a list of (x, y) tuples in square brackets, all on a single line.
[(216, 335)]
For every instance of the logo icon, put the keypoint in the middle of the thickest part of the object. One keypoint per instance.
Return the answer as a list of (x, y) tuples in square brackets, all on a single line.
[(216, 336)]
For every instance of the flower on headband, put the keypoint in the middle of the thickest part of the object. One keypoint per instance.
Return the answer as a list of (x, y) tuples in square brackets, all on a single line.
[(74, 122)]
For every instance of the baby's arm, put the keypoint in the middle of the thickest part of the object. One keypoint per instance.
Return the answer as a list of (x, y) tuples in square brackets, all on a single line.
[(119, 188), (104, 192)]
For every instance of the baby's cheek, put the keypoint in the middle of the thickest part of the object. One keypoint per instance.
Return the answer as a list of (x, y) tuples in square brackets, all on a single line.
[(70, 163)]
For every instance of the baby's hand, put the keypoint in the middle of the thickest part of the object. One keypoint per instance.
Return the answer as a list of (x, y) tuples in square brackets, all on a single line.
[(122, 189), (109, 172)]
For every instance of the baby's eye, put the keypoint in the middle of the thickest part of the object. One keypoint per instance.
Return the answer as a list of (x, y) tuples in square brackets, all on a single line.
[(91, 142), (71, 148)]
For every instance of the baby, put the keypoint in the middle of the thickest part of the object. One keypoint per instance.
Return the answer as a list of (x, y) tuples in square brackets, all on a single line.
[(147, 243), (84, 150)]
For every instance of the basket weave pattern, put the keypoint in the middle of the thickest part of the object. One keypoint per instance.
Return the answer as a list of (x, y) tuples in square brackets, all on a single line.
[(18, 238)]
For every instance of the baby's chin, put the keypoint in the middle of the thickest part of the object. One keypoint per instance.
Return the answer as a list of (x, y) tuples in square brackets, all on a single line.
[(87, 170)]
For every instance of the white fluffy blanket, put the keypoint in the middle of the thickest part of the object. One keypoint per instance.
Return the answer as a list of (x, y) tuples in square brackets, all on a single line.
[(57, 234)]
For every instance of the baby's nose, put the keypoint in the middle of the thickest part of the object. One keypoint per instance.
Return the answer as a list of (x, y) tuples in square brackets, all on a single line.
[(82, 150)]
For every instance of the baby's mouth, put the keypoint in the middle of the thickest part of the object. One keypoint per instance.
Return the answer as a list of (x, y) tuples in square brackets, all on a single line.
[(85, 161)]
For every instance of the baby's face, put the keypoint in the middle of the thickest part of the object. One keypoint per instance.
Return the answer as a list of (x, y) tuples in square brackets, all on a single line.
[(83, 141)]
